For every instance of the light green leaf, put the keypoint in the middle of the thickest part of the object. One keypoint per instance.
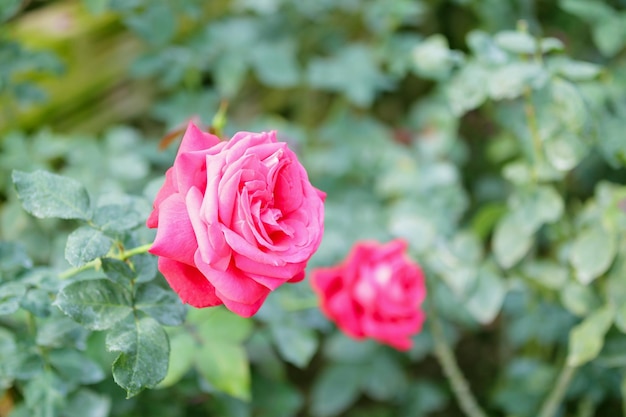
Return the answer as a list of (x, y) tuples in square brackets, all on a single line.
[(145, 353), (486, 299), (579, 299), (384, 379), (547, 273), (183, 349), (511, 241), (219, 324), (565, 151), (37, 302), (275, 64), (517, 42), (226, 367), (467, 90), (587, 338), (11, 294), (592, 253), (116, 217), (42, 394), (96, 304), (86, 244), (433, 58), (610, 34), (296, 344), (511, 80), (353, 72), (574, 70), (335, 390), (49, 195), (568, 104), (162, 305)]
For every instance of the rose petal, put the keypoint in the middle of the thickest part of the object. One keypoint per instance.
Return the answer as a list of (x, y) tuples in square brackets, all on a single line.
[(175, 236), (167, 189), (188, 282)]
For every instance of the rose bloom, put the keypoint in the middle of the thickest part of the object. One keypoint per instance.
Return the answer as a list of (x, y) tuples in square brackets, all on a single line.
[(235, 220), (376, 292)]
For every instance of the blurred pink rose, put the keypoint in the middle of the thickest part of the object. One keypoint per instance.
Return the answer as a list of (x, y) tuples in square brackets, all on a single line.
[(235, 220), (376, 292)]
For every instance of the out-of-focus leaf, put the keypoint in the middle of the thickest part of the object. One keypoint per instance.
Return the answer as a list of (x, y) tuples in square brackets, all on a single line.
[(335, 390), (592, 253), (49, 195), (586, 339), (296, 344), (162, 305)]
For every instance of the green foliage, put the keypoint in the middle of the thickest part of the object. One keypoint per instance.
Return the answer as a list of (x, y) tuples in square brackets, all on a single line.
[(488, 134)]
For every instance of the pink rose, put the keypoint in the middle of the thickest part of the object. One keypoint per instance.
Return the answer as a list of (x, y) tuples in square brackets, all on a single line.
[(376, 292), (235, 220)]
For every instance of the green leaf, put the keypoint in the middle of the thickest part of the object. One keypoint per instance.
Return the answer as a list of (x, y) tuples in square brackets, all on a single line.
[(565, 151), (274, 398), (86, 244), (384, 379), (486, 299), (11, 295), (511, 80), (61, 331), (226, 367), (587, 338), (592, 253), (275, 64), (335, 390), (96, 304), (43, 395), (433, 59), (568, 104), (296, 344), (511, 241), (13, 257), (609, 35), (219, 324), (579, 299), (162, 305), (75, 368), (575, 70), (86, 403), (116, 217), (353, 72), (547, 273), (8, 8), (468, 88), (37, 301), (49, 195), (118, 271), (145, 352), (145, 266), (517, 42)]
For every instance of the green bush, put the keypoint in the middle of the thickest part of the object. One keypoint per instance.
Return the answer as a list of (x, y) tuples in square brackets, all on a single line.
[(487, 133)]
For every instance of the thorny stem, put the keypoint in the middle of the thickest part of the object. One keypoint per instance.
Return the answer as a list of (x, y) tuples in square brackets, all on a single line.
[(460, 387), (551, 406), (122, 256)]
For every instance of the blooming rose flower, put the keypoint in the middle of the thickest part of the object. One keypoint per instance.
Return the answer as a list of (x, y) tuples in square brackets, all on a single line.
[(376, 292), (235, 220)]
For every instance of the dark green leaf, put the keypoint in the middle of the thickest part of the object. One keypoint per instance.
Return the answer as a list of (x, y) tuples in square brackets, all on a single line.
[(49, 195), (118, 271), (86, 244), (96, 304), (145, 353), (162, 305)]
